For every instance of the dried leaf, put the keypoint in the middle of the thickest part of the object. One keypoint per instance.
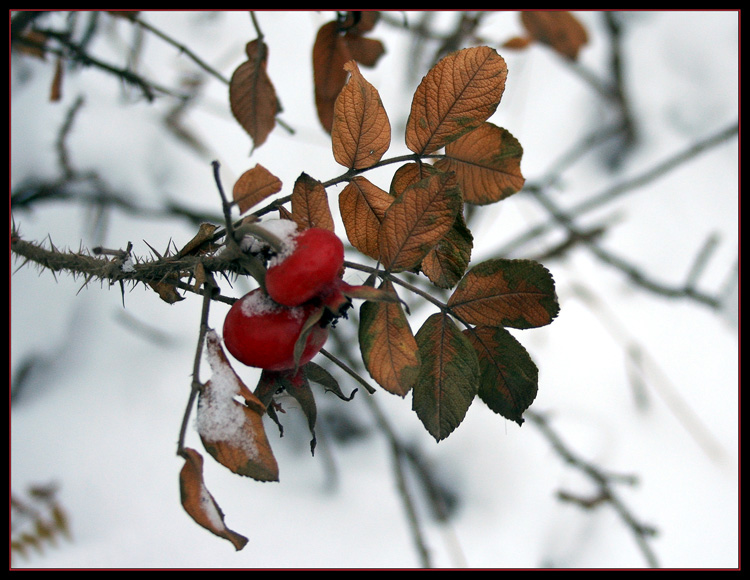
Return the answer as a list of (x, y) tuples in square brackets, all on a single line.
[(559, 30), (362, 206), (518, 42), (200, 504), (366, 51), (513, 293), (199, 243), (56, 88), (446, 263), (361, 132), (508, 378), (310, 207), (231, 432), (252, 96), (166, 291), (417, 220), (487, 163), (331, 51), (389, 349), (253, 186), (448, 377), (456, 96)]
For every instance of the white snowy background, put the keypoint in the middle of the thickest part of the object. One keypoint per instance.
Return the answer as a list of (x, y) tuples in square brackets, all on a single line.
[(100, 413)]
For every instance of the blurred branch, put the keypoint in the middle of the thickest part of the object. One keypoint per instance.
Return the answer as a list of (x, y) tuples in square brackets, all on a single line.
[(74, 52), (589, 238), (605, 483)]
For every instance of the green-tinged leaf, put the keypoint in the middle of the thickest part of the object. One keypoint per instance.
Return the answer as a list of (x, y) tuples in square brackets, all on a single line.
[(500, 292), (367, 292), (389, 349), (487, 163), (446, 263), (417, 220), (321, 376), (409, 174), (298, 387), (508, 378), (448, 377)]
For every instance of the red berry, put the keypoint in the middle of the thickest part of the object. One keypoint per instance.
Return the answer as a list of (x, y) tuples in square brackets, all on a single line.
[(260, 333), (313, 268)]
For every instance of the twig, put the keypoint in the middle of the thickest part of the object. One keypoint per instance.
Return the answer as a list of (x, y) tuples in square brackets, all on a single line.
[(606, 494), (196, 386)]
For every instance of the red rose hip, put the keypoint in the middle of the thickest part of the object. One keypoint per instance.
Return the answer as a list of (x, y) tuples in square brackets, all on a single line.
[(312, 269), (262, 334)]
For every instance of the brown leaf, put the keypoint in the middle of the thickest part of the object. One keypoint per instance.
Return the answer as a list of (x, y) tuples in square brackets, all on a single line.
[(252, 96), (508, 378), (366, 51), (330, 53), (310, 207), (362, 206), (166, 291), (200, 504), (389, 349), (487, 163), (518, 42), (456, 96), (200, 242), (360, 21), (417, 220), (408, 174), (231, 432), (560, 30), (447, 382), (361, 132), (253, 186), (446, 263), (499, 292), (56, 88)]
